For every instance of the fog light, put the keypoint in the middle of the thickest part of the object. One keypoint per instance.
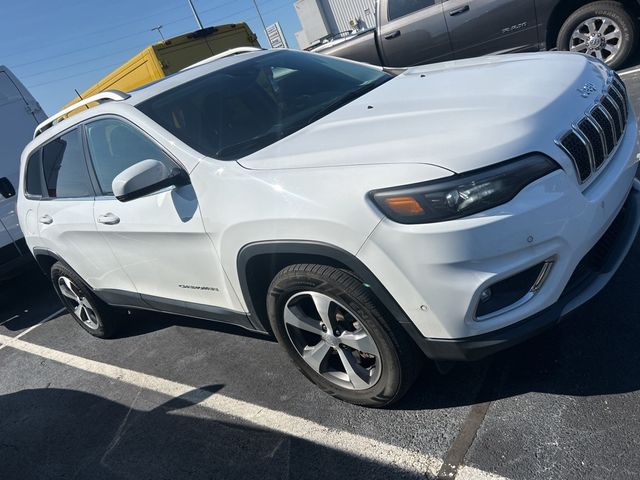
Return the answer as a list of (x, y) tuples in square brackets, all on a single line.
[(485, 296)]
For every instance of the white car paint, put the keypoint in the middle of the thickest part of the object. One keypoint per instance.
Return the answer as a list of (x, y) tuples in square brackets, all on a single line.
[(424, 125)]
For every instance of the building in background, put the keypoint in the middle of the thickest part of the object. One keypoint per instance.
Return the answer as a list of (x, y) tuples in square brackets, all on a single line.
[(275, 36), (326, 19)]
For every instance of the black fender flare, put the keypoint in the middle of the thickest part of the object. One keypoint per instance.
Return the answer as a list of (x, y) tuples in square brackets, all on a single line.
[(319, 250)]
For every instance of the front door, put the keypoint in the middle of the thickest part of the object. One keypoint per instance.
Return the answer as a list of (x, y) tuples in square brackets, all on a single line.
[(413, 32), (158, 239), (480, 27)]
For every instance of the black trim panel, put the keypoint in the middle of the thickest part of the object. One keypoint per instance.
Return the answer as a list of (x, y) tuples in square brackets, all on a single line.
[(125, 299), (319, 249), (120, 298)]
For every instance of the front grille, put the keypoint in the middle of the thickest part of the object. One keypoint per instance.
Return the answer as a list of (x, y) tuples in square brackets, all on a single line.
[(605, 126), (577, 149), (590, 131), (592, 140)]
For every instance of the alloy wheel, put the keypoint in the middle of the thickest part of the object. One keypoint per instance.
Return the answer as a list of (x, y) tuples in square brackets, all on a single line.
[(77, 303), (332, 340), (599, 37)]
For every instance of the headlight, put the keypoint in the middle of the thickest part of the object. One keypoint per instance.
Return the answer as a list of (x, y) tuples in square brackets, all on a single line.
[(461, 195)]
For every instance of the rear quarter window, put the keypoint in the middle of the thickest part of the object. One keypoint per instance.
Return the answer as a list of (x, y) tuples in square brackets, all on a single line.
[(33, 180)]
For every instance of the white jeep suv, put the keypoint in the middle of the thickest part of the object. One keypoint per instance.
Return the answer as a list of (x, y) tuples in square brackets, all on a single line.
[(363, 216)]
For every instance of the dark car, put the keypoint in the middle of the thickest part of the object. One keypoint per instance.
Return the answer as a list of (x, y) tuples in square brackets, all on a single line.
[(413, 32)]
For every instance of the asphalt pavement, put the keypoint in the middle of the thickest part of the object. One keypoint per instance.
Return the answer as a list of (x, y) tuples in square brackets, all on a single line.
[(176, 398)]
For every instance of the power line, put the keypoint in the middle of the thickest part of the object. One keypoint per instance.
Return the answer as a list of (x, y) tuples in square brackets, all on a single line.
[(107, 42), (51, 57), (255, 17), (95, 32), (75, 75), (62, 67)]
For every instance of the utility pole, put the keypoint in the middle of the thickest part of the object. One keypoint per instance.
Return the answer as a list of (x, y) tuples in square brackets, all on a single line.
[(261, 19), (195, 14), (159, 30)]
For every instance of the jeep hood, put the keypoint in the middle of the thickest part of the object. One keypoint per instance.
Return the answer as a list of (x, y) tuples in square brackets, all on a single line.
[(458, 115)]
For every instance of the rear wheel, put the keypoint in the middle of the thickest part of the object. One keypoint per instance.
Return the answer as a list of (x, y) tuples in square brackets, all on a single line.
[(604, 30), (91, 313), (334, 331)]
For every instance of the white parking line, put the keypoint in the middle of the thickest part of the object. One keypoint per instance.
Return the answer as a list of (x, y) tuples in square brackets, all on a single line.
[(356, 445), (9, 319), (23, 333), (471, 473), (627, 72)]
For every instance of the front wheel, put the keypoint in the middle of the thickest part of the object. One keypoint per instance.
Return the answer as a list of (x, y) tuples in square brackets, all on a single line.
[(331, 326), (604, 30)]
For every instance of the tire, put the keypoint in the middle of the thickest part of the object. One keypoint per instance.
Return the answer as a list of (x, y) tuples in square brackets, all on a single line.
[(91, 313), (381, 372), (609, 17)]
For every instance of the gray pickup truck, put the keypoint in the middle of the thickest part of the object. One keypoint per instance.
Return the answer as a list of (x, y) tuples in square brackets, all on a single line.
[(414, 32)]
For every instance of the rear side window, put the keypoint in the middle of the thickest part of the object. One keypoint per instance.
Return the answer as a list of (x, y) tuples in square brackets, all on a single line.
[(65, 169), (115, 145), (400, 8), (33, 182)]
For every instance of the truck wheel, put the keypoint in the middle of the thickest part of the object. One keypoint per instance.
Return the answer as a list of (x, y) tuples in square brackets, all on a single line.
[(604, 30), (95, 316), (338, 337)]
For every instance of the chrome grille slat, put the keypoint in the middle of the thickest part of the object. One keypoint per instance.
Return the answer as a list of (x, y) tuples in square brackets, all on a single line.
[(605, 127), (594, 138), (588, 128), (610, 106)]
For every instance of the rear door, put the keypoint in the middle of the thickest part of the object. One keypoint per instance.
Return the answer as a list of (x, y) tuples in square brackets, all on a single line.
[(413, 32), (480, 27), (17, 124), (65, 213)]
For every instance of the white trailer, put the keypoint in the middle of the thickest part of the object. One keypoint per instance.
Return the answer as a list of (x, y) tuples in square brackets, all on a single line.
[(19, 116)]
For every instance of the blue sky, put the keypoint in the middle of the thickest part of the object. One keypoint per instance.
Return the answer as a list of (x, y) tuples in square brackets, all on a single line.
[(54, 46)]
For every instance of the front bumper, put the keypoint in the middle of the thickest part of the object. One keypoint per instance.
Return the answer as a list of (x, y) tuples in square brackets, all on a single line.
[(591, 275), (436, 273)]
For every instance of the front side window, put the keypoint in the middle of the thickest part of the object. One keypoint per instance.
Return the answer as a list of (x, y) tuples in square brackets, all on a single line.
[(400, 8), (240, 109), (115, 145), (65, 169)]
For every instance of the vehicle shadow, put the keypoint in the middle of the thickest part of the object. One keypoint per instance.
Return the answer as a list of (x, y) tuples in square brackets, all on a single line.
[(142, 322), (59, 433)]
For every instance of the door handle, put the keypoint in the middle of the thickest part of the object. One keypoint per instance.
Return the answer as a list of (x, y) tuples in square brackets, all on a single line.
[(458, 11), (109, 219), (46, 219), (393, 35)]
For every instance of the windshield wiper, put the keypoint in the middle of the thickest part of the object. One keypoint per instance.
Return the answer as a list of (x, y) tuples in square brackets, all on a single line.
[(237, 150), (348, 98)]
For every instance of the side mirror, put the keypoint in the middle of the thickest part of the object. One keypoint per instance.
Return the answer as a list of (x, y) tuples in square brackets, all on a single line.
[(6, 188), (145, 177)]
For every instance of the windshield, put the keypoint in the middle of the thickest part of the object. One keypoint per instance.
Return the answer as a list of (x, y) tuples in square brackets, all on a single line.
[(238, 110)]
